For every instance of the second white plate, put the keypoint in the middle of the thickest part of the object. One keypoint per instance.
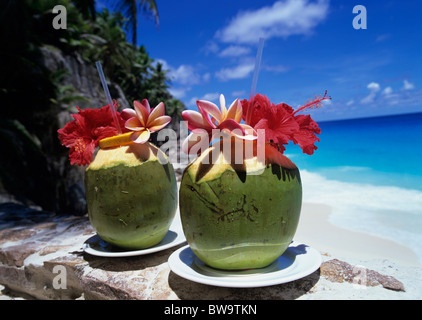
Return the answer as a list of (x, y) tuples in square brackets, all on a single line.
[(98, 247), (298, 261)]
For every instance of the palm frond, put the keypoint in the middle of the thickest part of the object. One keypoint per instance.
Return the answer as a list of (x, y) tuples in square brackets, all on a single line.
[(131, 9)]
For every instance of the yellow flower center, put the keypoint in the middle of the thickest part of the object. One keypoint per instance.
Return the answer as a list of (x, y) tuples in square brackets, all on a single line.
[(80, 145)]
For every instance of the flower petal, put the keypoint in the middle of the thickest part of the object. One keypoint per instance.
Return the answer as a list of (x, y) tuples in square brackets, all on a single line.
[(159, 123), (128, 113), (140, 136), (235, 111), (82, 152), (305, 137), (145, 103), (195, 120), (223, 107), (134, 124), (158, 111), (208, 108), (230, 125), (104, 132), (141, 112)]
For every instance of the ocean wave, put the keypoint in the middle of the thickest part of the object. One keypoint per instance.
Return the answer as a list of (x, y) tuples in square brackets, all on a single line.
[(352, 169), (371, 176), (388, 212)]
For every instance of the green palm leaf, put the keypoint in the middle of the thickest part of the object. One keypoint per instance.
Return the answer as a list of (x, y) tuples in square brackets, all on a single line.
[(131, 9)]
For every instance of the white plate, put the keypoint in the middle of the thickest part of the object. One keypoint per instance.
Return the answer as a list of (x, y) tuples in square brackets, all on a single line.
[(98, 247), (298, 261)]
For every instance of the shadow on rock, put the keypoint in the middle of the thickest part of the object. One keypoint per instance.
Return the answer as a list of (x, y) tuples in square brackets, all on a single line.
[(188, 290), (129, 263)]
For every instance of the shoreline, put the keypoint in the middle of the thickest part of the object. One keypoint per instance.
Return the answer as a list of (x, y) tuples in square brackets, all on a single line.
[(315, 230)]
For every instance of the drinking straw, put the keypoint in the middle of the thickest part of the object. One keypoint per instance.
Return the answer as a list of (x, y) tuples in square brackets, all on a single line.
[(108, 97), (255, 75), (257, 67)]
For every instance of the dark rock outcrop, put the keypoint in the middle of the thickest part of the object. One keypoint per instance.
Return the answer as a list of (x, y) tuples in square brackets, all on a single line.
[(84, 78), (36, 170)]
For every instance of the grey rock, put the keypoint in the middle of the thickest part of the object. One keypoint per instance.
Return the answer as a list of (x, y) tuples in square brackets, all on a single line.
[(338, 271)]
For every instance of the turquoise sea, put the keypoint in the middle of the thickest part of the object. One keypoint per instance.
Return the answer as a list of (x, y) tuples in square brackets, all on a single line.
[(383, 150), (370, 172)]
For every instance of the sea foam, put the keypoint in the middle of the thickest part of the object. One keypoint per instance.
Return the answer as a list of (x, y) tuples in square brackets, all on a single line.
[(388, 212)]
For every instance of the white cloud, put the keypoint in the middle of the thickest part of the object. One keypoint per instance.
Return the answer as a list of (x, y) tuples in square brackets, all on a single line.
[(178, 93), (238, 72), (373, 86), (407, 85), (383, 37), (162, 62), (387, 91), (239, 94), (182, 78), (282, 19), (390, 97), (184, 74), (210, 47), (192, 102), (405, 98), (373, 90), (212, 96), (234, 51), (206, 77), (275, 68)]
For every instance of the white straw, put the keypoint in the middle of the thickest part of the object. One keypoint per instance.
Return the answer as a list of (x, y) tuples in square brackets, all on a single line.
[(255, 77), (108, 97), (257, 67)]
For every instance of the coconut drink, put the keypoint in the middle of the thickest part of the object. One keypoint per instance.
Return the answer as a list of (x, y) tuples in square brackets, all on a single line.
[(239, 217), (243, 214), (131, 196), (130, 186)]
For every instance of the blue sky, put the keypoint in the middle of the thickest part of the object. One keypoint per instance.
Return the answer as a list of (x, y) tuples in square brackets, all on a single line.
[(209, 48)]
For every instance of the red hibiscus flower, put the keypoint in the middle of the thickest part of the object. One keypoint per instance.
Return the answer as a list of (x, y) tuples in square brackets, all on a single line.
[(305, 137), (276, 120), (281, 124), (83, 134)]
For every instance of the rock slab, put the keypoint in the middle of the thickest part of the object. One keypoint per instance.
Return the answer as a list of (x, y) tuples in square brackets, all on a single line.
[(42, 257), (338, 271)]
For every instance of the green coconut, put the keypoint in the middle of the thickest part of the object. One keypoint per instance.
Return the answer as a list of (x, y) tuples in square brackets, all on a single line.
[(239, 216), (131, 196)]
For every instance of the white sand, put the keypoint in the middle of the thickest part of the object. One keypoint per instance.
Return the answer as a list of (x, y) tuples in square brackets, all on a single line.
[(382, 212), (360, 249), (315, 230)]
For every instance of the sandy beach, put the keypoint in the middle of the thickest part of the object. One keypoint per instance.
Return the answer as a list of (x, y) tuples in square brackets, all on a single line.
[(315, 230), (360, 249)]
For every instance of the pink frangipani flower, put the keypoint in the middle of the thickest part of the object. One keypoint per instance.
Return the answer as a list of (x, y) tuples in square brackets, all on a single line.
[(210, 121), (143, 120)]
